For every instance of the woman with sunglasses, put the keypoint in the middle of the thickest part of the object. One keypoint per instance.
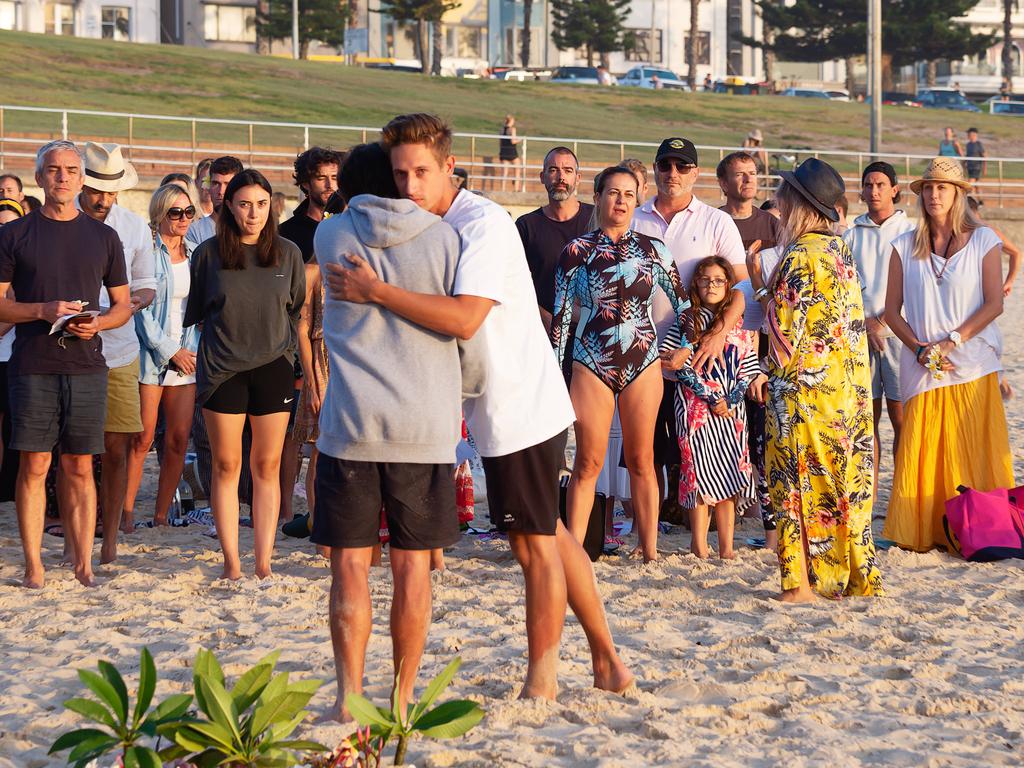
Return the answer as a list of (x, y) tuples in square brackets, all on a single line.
[(248, 288), (167, 362)]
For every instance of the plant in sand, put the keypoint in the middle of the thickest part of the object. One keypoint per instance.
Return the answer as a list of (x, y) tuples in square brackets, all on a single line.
[(247, 727), (445, 721), (125, 726)]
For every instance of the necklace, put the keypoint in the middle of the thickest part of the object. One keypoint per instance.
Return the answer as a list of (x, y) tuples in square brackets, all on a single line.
[(945, 258)]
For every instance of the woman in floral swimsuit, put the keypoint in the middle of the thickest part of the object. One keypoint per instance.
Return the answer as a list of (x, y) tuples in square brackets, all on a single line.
[(611, 274)]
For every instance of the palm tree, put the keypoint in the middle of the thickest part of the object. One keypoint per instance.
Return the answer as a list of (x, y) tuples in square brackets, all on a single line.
[(524, 55), (1009, 6), (691, 45)]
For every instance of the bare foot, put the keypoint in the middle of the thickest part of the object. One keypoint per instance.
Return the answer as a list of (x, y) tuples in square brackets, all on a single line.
[(324, 552), (615, 678), (727, 554), (159, 521), (703, 553), (264, 573), (338, 713), (33, 579), (108, 555), (231, 573), (539, 692), (85, 577), (771, 541), (127, 523), (802, 594)]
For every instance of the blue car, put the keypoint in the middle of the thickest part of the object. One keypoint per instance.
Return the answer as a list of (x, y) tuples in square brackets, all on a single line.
[(945, 98)]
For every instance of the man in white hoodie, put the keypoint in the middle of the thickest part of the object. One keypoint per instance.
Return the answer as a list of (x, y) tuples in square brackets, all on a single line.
[(870, 240)]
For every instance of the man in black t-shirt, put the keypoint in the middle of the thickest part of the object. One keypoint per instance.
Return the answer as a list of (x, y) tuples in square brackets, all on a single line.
[(547, 230), (737, 177), (56, 259)]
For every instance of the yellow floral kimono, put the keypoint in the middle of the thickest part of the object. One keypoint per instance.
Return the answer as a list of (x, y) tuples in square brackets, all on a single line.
[(819, 451)]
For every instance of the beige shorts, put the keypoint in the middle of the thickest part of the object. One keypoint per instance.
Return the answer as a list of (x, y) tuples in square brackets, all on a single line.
[(124, 411)]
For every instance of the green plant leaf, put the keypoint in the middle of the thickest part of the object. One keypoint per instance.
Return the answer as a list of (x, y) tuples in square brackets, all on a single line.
[(74, 738), (451, 719), (102, 688), (207, 759), (94, 746), (396, 712), (141, 757), (112, 676), (250, 685), (365, 713), (173, 752), (190, 739), (171, 708), (278, 685), (309, 686), (206, 665), (303, 745), (281, 731), (279, 710), (92, 710), (436, 688), (147, 686), (215, 735), (221, 709)]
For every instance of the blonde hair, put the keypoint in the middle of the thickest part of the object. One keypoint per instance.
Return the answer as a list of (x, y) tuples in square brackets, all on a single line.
[(419, 128), (961, 217), (801, 217), (163, 200)]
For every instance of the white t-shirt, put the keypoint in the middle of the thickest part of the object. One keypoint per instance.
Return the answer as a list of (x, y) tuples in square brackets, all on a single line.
[(871, 246), (933, 309), (7, 345), (121, 345), (694, 232), (525, 401), (182, 277)]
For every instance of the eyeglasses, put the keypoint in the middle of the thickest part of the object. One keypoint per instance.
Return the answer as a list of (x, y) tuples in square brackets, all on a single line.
[(176, 214), (712, 282), (666, 166)]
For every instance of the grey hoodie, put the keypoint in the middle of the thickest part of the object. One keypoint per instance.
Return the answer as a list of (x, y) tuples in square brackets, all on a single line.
[(395, 389)]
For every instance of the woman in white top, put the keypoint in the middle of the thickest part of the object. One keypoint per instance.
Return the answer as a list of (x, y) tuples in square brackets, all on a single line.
[(167, 359), (944, 294)]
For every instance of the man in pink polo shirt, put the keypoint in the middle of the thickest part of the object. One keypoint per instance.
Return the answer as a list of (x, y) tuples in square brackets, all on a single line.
[(691, 230)]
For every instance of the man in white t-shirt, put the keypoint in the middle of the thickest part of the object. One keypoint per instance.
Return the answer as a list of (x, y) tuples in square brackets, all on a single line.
[(106, 174), (520, 424), (870, 241), (692, 230)]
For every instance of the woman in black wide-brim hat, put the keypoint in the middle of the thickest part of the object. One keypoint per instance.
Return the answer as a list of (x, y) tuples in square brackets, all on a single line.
[(819, 453)]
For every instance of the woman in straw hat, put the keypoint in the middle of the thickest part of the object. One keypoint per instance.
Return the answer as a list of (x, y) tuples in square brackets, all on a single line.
[(945, 292), (818, 455)]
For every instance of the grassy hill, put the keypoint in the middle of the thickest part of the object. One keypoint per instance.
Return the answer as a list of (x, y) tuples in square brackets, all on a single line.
[(70, 72)]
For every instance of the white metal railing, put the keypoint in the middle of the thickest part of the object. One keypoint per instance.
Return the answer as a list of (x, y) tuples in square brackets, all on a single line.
[(24, 129)]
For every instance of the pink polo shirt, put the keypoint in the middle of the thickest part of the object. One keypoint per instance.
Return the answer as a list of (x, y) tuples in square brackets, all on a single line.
[(697, 231)]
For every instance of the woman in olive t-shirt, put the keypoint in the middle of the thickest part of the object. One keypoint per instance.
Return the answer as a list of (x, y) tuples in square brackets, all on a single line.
[(248, 285)]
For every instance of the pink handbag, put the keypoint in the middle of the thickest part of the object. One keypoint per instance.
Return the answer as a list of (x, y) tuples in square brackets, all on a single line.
[(986, 525)]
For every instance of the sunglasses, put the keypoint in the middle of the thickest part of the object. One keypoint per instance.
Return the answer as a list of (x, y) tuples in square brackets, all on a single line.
[(716, 282), (666, 166), (176, 214)]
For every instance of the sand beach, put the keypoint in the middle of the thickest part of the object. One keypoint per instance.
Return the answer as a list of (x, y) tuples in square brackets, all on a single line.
[(931, 675)]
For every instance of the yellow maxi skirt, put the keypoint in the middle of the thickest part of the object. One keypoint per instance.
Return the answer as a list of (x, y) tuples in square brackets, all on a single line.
[(951, 436)]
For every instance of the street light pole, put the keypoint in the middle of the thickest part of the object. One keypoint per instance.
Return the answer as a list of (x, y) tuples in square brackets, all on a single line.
[(875, 72), (295, 29)]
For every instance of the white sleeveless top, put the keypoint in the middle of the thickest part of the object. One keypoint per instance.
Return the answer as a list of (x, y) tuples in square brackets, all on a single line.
[(935, 307)]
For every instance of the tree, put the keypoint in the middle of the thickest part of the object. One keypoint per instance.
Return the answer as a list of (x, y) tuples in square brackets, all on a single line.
[(912, 31), (524, 41), (691, 45), (1008, 8), (595, 26), (323, 20), (423, 13)]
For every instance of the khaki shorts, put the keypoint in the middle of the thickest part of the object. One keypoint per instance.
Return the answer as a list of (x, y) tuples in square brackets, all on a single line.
[(124, 411)]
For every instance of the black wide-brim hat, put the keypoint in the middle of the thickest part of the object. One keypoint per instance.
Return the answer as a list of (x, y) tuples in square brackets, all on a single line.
[(819, 184)]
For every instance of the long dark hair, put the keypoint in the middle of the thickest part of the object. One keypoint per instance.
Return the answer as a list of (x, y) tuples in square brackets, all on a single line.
[(367, 171), (698, 332), (229, 236)]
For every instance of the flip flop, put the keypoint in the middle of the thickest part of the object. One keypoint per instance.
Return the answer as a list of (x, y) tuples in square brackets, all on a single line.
[(297, 527), (54, 529)]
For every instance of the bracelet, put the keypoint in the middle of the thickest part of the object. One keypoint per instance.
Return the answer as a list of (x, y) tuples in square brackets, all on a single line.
[(920, 349), (760, 293)]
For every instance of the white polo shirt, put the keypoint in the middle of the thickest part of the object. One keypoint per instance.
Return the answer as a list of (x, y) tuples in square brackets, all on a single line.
[(525, 401), (697, 231), (121, 345)]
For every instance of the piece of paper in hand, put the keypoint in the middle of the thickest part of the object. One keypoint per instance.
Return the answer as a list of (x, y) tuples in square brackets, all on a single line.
[(63, 321)]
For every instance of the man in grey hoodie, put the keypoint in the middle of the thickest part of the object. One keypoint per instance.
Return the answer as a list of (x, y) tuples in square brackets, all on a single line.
[(390, 420)]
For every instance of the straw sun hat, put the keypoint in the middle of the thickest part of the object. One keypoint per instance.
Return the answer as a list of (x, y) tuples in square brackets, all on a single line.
[(944, 169), (106, 169)]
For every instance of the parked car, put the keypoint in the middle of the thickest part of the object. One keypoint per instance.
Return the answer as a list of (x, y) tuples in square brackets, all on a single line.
[(838, 94), (522, 75), (578, 75), (739, 87), (999, 107), (945, 98), (896, 99), (805, 93), (643, 77)]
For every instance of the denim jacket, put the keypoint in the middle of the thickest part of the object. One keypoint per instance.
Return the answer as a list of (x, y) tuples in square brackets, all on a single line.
[(153, 323)]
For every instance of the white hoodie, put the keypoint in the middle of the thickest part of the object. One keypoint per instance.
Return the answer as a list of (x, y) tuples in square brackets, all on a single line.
[(871, 246)]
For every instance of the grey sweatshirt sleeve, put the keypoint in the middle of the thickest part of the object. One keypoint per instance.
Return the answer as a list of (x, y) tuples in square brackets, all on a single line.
[(474, 367)]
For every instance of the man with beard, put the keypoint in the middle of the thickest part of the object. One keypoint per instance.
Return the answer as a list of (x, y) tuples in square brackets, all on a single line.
[(316, 174), (222, 171), (547, 230), (106, 174)]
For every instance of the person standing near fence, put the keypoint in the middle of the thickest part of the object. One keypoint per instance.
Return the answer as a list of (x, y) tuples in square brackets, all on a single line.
[(106, 174), (508, 152), (57, 259)]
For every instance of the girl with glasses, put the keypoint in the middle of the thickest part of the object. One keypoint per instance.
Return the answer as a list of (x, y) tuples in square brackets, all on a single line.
[(167, 361), (711, 415)]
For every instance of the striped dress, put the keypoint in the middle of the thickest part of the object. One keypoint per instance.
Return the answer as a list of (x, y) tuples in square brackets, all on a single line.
[(715, 458)]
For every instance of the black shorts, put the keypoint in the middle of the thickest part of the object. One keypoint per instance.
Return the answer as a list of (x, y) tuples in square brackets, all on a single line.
[(54, 409), (666, 442), (522, 487), (5, 401), (418, 502), (259, 392)]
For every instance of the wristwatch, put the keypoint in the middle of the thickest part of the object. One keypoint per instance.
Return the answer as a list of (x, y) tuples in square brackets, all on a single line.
[(956, 338)]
